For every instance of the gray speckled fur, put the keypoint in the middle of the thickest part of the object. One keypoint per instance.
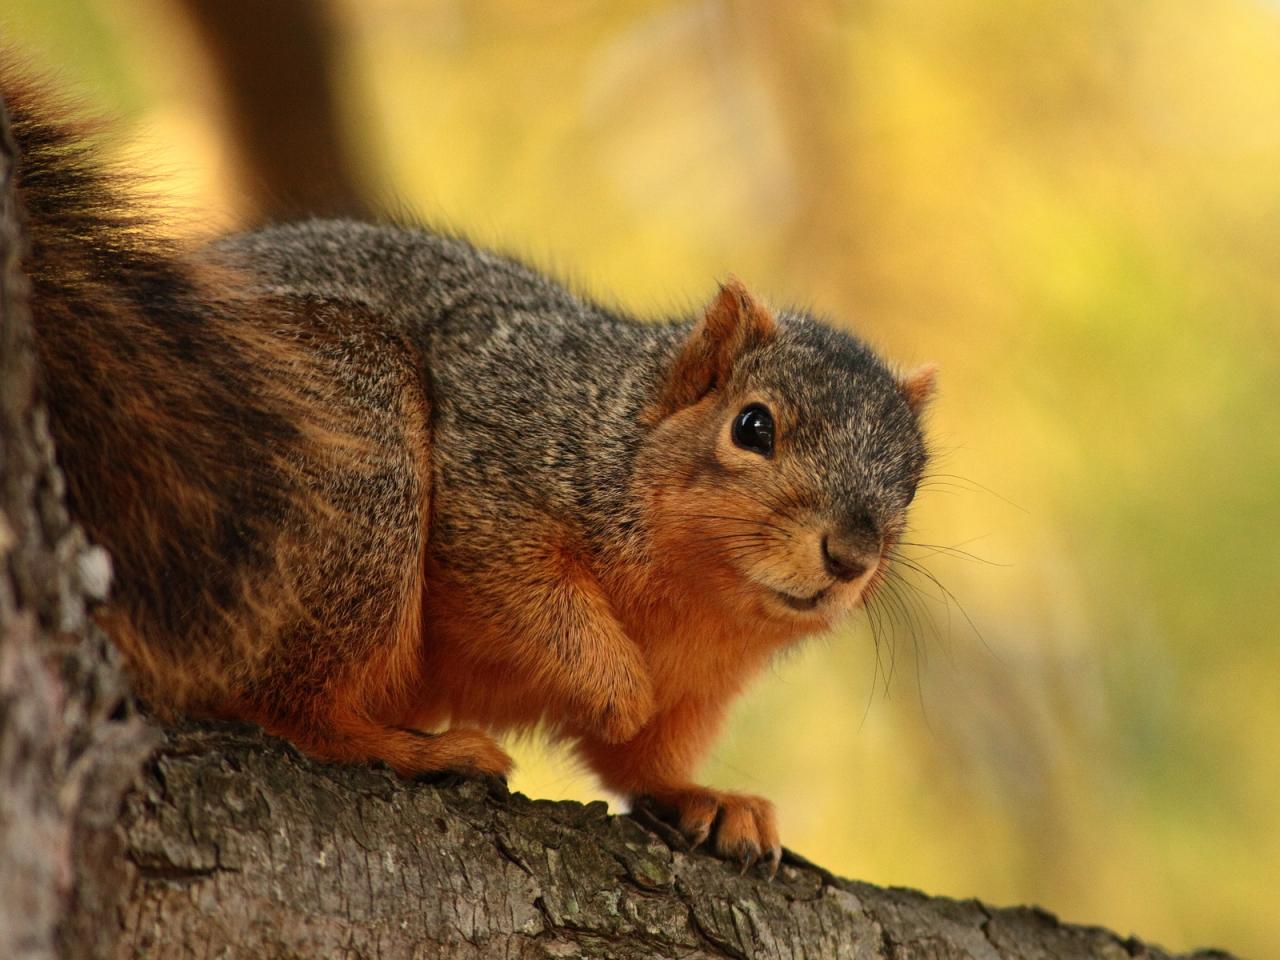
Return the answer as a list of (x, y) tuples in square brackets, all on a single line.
[(537, 392)]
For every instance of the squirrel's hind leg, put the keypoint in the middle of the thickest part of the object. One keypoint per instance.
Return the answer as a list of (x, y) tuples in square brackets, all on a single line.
[(340, 679), (355, 715), (410, 753)]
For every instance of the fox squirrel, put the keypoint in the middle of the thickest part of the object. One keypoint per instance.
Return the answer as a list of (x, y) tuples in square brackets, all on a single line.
[(363, 481)]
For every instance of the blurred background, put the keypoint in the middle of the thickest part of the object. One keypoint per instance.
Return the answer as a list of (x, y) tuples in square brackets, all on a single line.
[(1073, 208)]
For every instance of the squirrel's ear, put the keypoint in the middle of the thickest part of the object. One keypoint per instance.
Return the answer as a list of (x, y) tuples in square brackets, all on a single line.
[(919, 386), (733, 323)]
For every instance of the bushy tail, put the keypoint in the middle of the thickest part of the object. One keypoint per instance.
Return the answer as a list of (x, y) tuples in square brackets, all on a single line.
[(155, 375), (256, 465)]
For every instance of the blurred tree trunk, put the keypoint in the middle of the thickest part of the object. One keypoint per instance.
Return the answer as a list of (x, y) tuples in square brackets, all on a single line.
[(277, 68), (802, 48), (229, 844)]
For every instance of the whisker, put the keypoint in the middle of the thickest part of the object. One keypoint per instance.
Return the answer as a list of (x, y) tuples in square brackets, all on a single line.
[(973, 484), (907, 617), (952, 551), (745, 520), (951, 598), (873, 621), (767, 495), (758, 535), (923, 626)]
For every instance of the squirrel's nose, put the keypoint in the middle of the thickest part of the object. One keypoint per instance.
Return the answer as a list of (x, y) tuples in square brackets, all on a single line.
[(844, 559)]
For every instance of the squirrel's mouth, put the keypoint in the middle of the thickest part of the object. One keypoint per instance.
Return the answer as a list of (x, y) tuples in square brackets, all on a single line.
[(801, 603)]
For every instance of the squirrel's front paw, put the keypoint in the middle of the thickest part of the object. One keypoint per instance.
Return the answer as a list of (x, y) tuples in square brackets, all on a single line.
[(745, 828)]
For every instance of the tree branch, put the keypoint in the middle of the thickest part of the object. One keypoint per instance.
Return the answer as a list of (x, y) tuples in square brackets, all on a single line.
[(237, 846)]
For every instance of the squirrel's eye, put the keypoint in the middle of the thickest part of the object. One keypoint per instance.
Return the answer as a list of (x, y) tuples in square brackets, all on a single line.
[(753, 429)]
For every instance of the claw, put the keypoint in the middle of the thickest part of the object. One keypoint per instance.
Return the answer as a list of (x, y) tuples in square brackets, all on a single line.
[(699, 836), (773, 860), (740, 827)]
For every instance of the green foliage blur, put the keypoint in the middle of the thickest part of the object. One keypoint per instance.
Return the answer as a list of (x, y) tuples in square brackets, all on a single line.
[(1074, 208)]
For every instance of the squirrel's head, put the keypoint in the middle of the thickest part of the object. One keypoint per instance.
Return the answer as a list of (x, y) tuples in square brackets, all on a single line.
[(782, 459)]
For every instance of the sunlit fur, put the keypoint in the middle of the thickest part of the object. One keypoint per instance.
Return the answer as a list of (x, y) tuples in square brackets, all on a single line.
[(364, 481)]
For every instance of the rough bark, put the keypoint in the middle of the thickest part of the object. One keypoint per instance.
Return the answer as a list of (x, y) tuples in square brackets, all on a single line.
[(229, 844), (239, 847)]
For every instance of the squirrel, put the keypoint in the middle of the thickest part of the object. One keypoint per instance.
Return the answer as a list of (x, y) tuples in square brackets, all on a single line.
[(387, 494)]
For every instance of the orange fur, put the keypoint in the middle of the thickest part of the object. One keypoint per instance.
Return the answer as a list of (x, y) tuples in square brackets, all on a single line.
[(919, 386), (543, 645)]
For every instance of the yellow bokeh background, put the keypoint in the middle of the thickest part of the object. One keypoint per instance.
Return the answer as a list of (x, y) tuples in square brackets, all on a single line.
[(1074, 208)]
